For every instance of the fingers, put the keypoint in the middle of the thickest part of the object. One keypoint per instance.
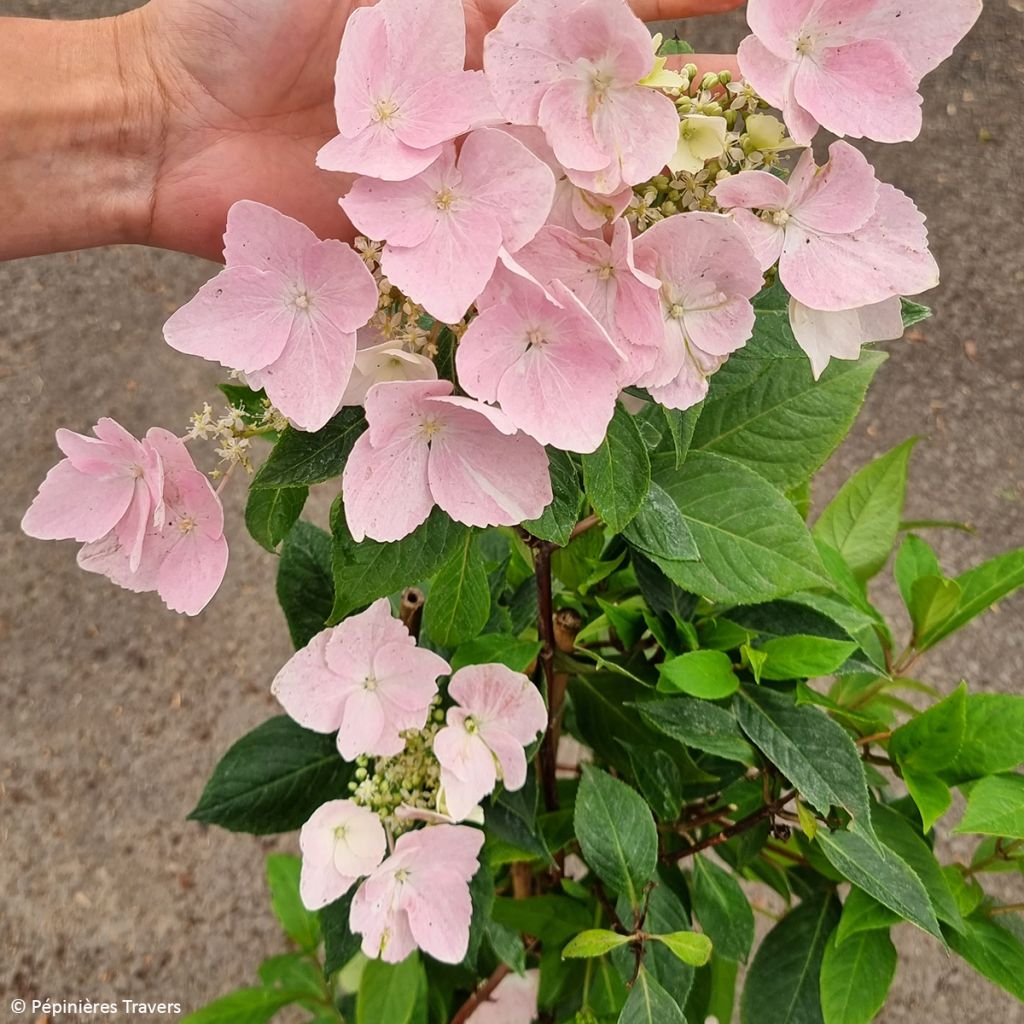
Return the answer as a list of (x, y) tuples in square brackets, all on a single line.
[(665, 10)]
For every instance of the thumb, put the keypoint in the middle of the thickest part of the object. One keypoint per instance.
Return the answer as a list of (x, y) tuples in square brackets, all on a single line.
[(666, 10)]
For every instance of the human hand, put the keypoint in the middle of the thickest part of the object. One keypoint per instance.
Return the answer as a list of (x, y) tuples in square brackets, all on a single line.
[(246, 90)]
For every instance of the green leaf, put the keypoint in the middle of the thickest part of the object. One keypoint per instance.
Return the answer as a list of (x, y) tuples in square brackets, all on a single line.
[(594, 942), (881, 874), (681, 426), (758, 550), (863, 520), (696, 723), (856, 977), (933, 599), (993, 738), (367, 571), (690, 947), (722, 909), (272, 780), (388, 993), (995, 807), (304, 585), (780, 421), (341, 944), (659, 779), (604, 717), (617, 833), (980, 588), (812, 751), (459, 602), (295, 972), (932, 740), (914, 559), (517, 654), (649, 1003), (863, 913), (915, 313), (804, 657), (931, 796), (246, 1006), (562, 515), (659, 529), (618, 474), (557, 918), (299, 924), (271, 512), (300, 459), (783, 981), (707, 674), (992, 951)]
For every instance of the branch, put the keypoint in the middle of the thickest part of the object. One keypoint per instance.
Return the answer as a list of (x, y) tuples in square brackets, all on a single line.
[(542, 551), (482, 994), (741, 826)]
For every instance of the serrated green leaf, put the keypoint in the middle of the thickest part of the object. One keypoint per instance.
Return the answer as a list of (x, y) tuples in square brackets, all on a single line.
[(881, 874), (931, 741), (557, 918), (617, 475), (933, 600), (517, 654), (995, 807), (341, 944), (649, 1003), (459, 602), (617, 833), (723, 909), (783, 981), (659, 529), (758, 550), (804, 657), (594, 942), (246, 1006), (931, 796), (271, 512), (692, 948), (562, 515), (863, 913), (856, 977), (299, 924), (659, 779), (681, 426), (301, 460), (915, 559), (705, 674), (992, 951), (273, 779), (813, 752), (305, 588), (696, 723), (781, 422), (388, 993), (993, 738)]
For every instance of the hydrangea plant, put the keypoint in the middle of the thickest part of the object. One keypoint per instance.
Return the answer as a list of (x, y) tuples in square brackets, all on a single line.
[(576, 665)]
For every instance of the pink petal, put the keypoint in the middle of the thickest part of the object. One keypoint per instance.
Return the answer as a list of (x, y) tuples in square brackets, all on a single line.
[(440, 916), (496, 694), (361, 76), (511, 757), (722, 329), (73, 506), (769, 74), (455, 847), (766, 239), (320, 885), (468, 771), (482, 476), (777, 23), (309, 691), (752, 190), (352, 644), (425, 38), (394, 409), (514, 1001), (863, 89), (840, 335), (192, 572), (407, 677), (565, 116), (445, 107), (263, 238), (385, 489), (378, 152), (364, 729), (690, 385), (639, 128), (837, 198)]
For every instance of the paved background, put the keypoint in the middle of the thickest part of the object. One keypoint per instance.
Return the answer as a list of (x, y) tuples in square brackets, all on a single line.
[(115, 711)]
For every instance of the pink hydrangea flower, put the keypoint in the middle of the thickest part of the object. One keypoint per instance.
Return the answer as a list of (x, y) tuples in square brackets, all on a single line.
[(497, 714), (401, 91), (425, 447), (575, 68), (541, 354), (840, 335), (853, 66), (514, 1001), (365, 679), (419, 897), (164, 522), (842, 239), (708, 276), (445, 227), (574, 208), (284, 311), (379, 361), (605, 278), (341, 843)]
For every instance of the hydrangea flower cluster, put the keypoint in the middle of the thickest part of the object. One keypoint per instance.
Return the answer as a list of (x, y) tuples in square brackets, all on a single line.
[(367, 680), (583, 219)]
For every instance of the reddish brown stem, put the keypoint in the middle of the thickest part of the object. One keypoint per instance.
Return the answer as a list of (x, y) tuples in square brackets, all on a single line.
[(741, 826), (481, 995), (542, 551)]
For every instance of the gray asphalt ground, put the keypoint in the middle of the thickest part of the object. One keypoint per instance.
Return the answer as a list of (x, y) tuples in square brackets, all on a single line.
[(115, 711)]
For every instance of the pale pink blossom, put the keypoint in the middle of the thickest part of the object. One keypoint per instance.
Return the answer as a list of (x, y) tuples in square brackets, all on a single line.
[(708, 276), (284, 311), (419, 897), (841, 238), (379, 361), (576, 68), (341, 843), (426, 447), (852, 66), (840, 335), (401, 91), (497, 714), (445, 227), (605, 278), (541, 354), (574, 208), (514, 1001), (365, 679)]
